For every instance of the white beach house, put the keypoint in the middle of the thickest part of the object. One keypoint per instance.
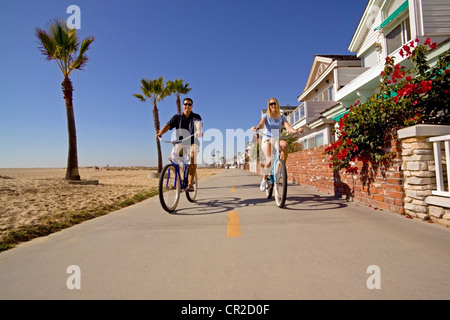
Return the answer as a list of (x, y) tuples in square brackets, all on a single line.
[(328, 74), (385, 26), (337, 81)]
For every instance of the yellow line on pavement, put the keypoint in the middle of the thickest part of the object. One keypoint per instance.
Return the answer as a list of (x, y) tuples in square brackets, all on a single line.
[(234, 229)]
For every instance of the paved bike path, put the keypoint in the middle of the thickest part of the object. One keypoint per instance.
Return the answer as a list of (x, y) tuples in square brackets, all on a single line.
[(233, 243)]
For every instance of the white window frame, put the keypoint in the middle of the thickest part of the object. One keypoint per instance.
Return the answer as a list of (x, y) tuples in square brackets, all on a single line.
[(405, 33), (310, 141)]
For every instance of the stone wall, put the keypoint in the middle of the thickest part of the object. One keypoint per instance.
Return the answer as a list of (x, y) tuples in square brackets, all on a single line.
[(420, 173), (420, 180)]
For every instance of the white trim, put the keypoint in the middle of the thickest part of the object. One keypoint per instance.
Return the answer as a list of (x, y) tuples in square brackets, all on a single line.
[(318, 81), (423, 130), (441, 138), (440, 186)]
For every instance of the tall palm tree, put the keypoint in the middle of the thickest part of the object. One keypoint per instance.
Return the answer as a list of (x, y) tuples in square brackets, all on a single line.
[(178, 87), (61, 44), (154, 91)]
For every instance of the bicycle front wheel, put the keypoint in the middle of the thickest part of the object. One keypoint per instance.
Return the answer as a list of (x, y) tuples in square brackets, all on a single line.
[(280, 183), (269, 189), (192, 195), (169, 188)]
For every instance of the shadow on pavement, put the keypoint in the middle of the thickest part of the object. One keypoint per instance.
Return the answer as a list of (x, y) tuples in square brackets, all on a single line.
[(225, 204), (315, 202), (215, 206)]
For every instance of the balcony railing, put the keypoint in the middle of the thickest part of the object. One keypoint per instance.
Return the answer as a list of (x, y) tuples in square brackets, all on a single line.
[(297, 115)]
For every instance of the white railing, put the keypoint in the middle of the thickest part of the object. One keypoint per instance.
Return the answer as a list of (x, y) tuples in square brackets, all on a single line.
[(441, 189), (297, 115)]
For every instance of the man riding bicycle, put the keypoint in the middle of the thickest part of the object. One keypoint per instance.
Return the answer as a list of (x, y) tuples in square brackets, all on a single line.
[(186, 123)]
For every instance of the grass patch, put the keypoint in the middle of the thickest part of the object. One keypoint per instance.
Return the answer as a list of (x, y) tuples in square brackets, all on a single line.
[(49, 225)]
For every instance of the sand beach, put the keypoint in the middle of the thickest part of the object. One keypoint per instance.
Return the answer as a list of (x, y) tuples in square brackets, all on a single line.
[(29, 196)]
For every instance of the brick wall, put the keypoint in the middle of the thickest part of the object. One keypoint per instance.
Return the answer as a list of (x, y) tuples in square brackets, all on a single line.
[(380, 188)]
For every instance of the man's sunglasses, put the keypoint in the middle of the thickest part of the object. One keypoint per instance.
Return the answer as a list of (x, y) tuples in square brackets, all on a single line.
[(187, 104)]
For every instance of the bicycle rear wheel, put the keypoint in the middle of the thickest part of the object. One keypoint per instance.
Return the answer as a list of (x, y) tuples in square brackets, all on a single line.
[(191, 195), (169, 188), (281, 183)]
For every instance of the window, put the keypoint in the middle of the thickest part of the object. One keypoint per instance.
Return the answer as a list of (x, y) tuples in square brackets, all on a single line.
[(313, 141), (319, 140), (325, 95), (297, 115), (370, 58), (398, 36), (330, 93)]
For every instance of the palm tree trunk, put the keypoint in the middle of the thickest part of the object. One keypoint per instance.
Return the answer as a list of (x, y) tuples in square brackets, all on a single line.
[(158, 143), (72, 158), (178, 104)]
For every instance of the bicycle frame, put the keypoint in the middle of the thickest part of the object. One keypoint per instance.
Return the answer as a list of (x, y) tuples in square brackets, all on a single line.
[(184, 179), (184, 159), (273, 175)]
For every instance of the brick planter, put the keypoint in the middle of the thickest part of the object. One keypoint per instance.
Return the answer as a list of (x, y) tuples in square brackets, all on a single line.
[(378, 187)]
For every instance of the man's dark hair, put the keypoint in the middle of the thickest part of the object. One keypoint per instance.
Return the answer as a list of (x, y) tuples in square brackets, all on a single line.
[(188, 99)]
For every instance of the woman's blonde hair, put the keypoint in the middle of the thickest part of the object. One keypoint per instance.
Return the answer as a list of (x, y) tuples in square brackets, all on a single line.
[(277, 109)]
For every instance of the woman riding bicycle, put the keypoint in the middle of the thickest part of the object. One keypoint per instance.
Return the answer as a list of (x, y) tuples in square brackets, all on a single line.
[(272, 122)]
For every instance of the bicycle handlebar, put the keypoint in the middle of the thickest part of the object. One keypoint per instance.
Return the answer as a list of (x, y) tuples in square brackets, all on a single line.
[(175, 142)]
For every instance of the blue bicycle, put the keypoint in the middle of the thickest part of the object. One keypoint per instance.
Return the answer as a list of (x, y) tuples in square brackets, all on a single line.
[(278, 176), (172, 181)]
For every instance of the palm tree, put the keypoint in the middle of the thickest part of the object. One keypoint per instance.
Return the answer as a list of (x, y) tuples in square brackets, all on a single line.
[(154, 91), (61, 44), (179, 88)]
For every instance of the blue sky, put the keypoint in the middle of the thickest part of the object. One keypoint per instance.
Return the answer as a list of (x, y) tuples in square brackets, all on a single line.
[(235, 54)]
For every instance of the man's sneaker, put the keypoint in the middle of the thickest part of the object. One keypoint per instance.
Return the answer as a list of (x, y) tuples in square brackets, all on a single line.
[(263, 185)]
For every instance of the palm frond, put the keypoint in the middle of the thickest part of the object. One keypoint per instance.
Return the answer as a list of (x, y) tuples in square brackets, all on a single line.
[(82, 59), (63, 37), (139, 96), (45, 43), (78, 64), (85, 45), (73, 40)]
